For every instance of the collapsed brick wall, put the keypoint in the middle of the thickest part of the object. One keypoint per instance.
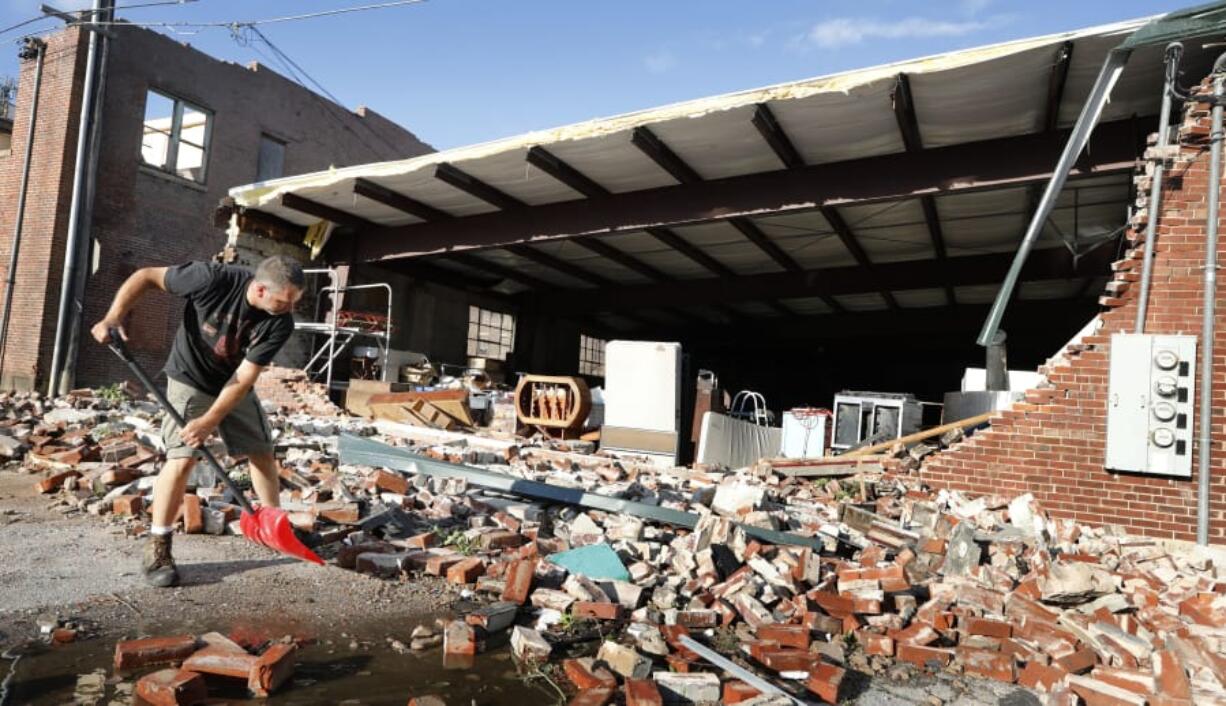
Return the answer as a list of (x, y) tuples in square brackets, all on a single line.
[(1053, 443), (293, 391)]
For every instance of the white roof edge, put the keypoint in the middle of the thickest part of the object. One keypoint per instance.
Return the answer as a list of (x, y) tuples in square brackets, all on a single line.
[(259, 193)]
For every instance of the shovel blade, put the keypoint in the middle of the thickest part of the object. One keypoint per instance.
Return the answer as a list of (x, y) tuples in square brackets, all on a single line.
[(270, 527)]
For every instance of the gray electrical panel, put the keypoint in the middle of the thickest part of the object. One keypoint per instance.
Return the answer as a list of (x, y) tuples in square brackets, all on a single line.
[(1150, 404)]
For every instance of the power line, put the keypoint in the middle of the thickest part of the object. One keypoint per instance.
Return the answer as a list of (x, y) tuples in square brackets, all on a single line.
[(335, 102), (267, 20)]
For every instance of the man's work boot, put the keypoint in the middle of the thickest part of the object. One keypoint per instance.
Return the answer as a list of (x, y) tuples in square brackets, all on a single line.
[(159, 567)]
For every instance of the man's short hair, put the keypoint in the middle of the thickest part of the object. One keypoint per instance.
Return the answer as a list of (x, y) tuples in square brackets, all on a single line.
[(279, 272)]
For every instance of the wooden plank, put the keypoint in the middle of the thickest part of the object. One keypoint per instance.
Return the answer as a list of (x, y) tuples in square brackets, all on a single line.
[(841, 469), (921, 435)]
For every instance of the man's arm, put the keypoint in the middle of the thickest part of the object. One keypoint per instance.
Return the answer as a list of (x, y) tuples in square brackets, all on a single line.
[(201, 428), (129, 293)]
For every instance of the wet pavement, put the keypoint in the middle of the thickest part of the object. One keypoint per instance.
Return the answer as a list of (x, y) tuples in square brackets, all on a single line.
[(357, 666)]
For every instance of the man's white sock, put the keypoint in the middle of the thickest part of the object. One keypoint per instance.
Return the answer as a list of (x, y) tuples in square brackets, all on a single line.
[(162, 529)]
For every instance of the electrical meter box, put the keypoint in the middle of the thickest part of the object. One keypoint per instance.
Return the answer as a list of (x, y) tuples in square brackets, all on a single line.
[(1150, 404)]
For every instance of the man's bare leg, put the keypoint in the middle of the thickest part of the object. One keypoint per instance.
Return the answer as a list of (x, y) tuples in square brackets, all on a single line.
[(168, 489), (265, 474)]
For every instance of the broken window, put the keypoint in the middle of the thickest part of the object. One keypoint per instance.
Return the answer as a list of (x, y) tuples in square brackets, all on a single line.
[(271, 160), (491, 334), (176, 136), (591, 356)]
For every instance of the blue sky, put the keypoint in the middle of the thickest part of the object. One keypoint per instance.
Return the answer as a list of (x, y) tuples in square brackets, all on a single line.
[(463, 71)]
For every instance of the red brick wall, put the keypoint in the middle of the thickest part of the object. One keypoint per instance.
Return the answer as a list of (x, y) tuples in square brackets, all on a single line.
[(141, 217), (1053, 444), (41, 253)]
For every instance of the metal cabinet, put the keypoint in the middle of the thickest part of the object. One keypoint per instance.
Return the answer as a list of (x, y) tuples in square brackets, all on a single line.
[(1150, 404), (863, 415)]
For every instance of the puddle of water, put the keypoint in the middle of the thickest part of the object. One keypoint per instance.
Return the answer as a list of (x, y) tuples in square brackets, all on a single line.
[(331, 671)]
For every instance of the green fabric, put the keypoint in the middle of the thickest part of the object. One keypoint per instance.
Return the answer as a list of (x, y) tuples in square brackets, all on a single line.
[(595, 561), (1209, 18)]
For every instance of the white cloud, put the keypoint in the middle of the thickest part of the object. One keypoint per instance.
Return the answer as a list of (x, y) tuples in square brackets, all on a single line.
[(846, 31), (660, 62)]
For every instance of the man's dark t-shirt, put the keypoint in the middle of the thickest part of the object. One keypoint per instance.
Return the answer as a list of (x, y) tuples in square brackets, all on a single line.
[(219, 327)]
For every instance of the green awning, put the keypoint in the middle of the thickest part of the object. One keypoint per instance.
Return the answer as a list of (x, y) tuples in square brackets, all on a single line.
[(1198, 21)]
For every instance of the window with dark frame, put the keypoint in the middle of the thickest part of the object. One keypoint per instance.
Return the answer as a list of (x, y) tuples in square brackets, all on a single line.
[(270, 162), (591, 356), (491, 334), (176, 136)]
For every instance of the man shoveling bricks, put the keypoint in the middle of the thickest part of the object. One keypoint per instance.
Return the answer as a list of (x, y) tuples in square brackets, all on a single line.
[(234, 322)]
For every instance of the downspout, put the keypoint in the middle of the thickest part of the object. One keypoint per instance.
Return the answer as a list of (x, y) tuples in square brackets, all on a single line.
[(86, 246), (1210, 299), (80, 169), (1173, 52), (41, 48)]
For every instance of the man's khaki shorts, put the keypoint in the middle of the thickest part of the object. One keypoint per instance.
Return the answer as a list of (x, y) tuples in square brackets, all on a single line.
[(245, 430)]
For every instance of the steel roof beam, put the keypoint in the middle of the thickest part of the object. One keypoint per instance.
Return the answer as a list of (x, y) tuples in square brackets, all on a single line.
[(400, 202)]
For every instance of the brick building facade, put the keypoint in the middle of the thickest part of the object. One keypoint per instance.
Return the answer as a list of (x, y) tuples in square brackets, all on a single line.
[(144, 215), (1053, 444)]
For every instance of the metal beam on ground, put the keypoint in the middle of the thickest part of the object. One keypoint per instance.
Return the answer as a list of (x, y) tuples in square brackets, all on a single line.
[(398, 201), (961, 168), (543, 160), (841, 229), (663, 156), (764, 120), (356, 450), (326, 212), (469, 184)]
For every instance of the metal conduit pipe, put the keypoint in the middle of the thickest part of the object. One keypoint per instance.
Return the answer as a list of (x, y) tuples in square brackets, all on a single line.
[(76, 229), (40, 49), (1210, 299), (1174, 51)]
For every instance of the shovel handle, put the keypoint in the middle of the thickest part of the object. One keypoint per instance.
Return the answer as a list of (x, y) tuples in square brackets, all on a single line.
[(120, 348)]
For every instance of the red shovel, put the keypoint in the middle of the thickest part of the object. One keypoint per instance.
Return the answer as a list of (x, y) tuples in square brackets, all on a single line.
[(268, 526)]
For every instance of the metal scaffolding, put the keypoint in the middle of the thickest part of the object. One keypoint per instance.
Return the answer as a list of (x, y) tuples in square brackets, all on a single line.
[(340, 331)]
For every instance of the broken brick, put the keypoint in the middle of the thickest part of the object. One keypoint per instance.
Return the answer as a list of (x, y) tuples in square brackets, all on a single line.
[(642, 692), (221, 661), (272, 669), (172, 687), (786, 635), (584, 675), (193, 515), (135, 654), (519, 581), (825, 680), (466, 571)]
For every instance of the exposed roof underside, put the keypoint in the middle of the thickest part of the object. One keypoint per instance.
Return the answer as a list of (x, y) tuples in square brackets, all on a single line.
[(592, 208)]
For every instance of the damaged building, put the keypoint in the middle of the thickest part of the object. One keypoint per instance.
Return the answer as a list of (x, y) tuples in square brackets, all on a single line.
[(801, 241)]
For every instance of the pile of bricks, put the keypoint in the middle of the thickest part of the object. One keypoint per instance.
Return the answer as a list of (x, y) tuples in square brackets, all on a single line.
[(878, 572), (290, 390), (188, 667)]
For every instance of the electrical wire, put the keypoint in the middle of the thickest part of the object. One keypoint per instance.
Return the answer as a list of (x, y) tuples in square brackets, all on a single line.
[(266, 20), (332, 107)]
